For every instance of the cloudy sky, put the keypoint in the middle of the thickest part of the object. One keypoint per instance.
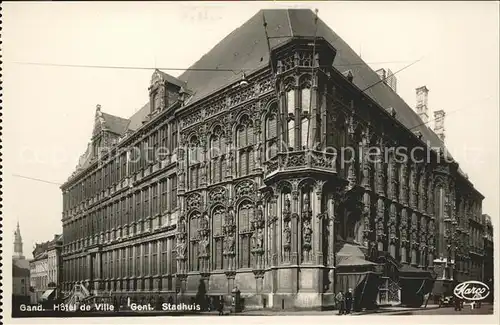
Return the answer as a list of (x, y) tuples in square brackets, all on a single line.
[(49, 111)]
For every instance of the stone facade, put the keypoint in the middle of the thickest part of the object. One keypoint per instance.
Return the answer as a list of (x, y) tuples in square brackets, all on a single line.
[(255, 190)]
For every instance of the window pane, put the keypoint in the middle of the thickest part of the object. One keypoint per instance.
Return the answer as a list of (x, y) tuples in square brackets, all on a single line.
[(291, 133), (304, 125), (306, 99), (290, 99)]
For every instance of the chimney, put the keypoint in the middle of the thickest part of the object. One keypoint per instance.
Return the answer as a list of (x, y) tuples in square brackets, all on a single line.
[(422, 108), (439, 124), (381, 73), (391, 80), (388, 78)]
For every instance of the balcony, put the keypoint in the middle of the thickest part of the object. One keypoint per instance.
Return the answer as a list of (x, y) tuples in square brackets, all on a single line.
[(303, 160)]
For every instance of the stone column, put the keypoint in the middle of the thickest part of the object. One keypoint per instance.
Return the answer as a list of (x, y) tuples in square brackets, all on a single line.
[(313, 130), (295, 227), (403, 200), (318, 233)]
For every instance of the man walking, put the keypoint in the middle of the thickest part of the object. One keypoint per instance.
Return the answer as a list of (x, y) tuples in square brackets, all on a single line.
[(348, 301), (340, 302), (220, 307)]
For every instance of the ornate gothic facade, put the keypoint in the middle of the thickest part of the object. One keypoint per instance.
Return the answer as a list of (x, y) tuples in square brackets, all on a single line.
[(254, 189)]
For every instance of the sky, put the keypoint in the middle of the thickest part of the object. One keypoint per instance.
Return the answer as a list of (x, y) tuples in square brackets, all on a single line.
[(48, 112)]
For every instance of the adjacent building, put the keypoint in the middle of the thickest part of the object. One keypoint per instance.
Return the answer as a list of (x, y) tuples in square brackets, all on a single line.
[(250, 186), (46, 268), (488, 267), (20, 271)]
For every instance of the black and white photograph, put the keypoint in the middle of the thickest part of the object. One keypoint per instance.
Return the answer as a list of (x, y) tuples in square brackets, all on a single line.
[(244, 158)]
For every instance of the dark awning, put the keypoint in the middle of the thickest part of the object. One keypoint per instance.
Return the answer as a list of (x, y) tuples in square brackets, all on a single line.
[(410, 272), (47, 294)]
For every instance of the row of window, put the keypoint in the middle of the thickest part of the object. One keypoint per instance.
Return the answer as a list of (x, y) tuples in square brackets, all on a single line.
[(152, 200), (157, 146), (152, 258)]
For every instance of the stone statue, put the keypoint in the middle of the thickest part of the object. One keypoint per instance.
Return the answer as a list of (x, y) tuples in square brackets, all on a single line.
[(260, 238), (287, 234), (287, 203), (307, 234), (181, 248)]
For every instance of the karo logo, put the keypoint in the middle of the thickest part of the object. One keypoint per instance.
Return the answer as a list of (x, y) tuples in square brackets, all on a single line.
[(471, 290)]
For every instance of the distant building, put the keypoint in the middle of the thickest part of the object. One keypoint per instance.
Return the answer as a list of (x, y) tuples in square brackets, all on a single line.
[(45, 268), (20, 270)]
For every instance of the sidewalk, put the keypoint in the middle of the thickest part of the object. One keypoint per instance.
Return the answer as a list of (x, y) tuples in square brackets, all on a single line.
[(270, 312)]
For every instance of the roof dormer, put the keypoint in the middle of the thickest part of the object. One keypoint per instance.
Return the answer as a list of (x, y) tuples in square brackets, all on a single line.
[(163, 91)]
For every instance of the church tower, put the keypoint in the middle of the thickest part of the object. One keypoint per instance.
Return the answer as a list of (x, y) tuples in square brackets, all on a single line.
[(18, 244)]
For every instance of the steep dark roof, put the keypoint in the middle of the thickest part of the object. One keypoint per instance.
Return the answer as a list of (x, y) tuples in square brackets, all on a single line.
[(138, 117), (246, 48), (115, 123), (20, 272)]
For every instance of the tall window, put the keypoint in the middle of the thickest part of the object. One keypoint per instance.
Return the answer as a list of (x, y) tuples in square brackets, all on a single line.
[(138, 212), (145, 264), (194, 161), (164, 195), (154, 147), (305, 103), (146, 203), (245, 141), (123, 214), (245, 215), (290, 118), (164, 141), (218, 237), (173, 199), (272, 132), (130, 261), (123, 169), (130, 218), (124, 263), (164, 261), (217, 155), (154, 258), (138, 260), (173, 257), (154, 201), (193, 241), (173, 141)]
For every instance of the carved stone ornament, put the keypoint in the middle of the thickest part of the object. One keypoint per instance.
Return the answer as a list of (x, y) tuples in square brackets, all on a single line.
[(217, 195), (245, 188), (392, 225), (194, 201)]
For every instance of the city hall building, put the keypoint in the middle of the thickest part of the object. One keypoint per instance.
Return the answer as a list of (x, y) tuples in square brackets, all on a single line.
[(233, 177)]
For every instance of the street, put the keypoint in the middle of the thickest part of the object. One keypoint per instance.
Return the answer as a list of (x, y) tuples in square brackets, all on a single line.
[(486, 309)]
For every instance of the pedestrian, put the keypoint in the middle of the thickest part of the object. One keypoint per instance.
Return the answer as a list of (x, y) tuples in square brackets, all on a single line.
[(458, 304), (348, 301), (220, 308), (340, 302)]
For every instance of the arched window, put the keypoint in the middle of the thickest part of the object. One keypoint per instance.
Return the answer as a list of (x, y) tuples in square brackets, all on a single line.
[(193, 241), (305, 103), (245, 215), (272, 132), (244, 142), (217, 155), (291, 114), (194, 160), (218, 238)]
